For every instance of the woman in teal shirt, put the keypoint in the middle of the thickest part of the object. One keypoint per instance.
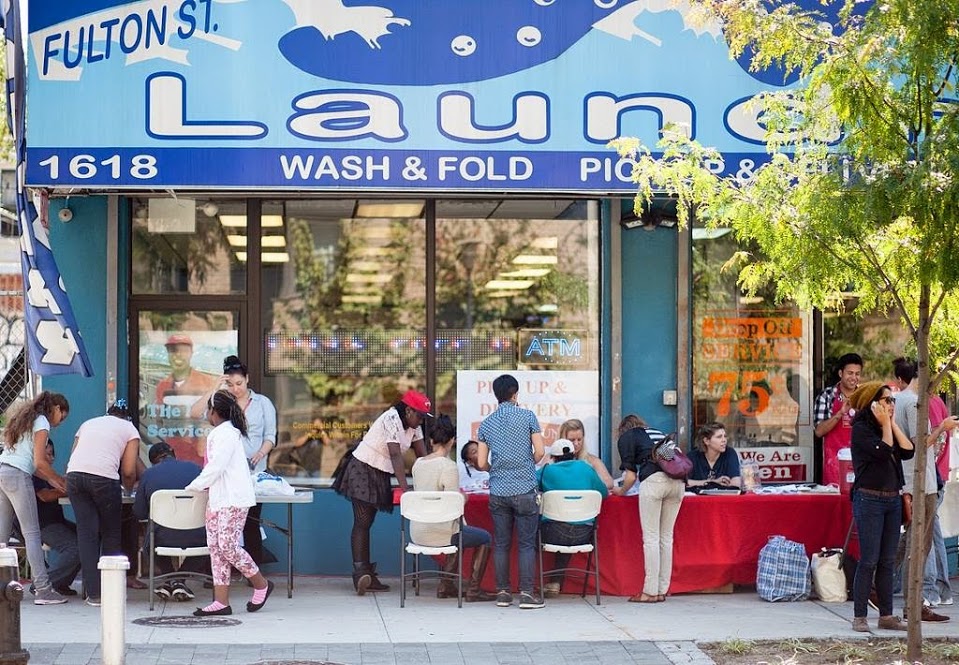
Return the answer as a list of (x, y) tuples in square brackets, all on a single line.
[(565, 472)]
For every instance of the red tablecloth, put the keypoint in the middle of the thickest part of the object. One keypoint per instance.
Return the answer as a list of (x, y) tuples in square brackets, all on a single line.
[(716, 541)]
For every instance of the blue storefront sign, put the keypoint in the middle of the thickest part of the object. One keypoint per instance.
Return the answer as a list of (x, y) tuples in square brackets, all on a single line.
[(494, 95)]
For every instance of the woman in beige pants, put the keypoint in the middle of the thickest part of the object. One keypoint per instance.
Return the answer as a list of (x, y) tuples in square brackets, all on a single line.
[(659, 500)]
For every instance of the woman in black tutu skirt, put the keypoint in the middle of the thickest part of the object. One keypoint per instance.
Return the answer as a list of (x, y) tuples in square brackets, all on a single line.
[(363, 476)]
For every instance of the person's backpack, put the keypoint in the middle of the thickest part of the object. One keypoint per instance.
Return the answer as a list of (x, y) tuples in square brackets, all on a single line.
[(783, 573)]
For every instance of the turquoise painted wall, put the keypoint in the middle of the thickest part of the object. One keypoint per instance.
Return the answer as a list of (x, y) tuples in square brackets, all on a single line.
[(80, 249), (649, 264)]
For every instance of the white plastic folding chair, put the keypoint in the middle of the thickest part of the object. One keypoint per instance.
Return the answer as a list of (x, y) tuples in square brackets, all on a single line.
[(175, 509), (573, 506), (429, 508)]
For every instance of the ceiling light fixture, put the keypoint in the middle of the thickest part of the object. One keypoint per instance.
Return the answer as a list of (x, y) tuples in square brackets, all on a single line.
[(508, 284), (390, 209), (362, 300), (354, 278), (239, 221), (535, 260), (545, 243), (527, 272)]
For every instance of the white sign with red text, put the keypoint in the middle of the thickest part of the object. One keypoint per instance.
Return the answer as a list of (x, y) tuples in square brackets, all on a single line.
[(779, 464), (554, 396)]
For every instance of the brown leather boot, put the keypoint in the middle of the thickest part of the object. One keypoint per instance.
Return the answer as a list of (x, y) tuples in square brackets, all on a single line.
[(375, 584), (474, 594), (447, 587)]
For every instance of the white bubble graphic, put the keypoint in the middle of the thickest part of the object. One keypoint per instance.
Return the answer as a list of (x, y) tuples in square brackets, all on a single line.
[(463, 45), (544, 3), (529, 35)]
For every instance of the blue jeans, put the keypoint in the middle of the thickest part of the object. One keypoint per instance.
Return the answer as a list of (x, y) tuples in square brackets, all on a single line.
[(523, 509), (877, 521), (935, 582), (61, 537), (564, 533), (18, 499), (97, 503), (473, 536)]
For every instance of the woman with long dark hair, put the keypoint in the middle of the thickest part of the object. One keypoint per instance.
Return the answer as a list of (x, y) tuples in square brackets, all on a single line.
[(24, 453), (878, 448), (227, 478), (363, 476), (436, 472), (259, 442), (659, 500), (104, 457)]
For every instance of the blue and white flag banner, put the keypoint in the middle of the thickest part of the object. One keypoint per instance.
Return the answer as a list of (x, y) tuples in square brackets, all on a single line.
[(54, 345), (379, 95)]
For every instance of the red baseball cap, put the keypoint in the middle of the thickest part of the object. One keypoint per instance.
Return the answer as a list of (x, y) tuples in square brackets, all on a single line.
[(174, 340), (418, 401)]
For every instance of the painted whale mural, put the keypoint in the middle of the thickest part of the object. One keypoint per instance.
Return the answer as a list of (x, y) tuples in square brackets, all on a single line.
[(422, 42)]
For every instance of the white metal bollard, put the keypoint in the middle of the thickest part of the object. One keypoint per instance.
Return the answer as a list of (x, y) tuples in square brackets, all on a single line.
[(113, 608)]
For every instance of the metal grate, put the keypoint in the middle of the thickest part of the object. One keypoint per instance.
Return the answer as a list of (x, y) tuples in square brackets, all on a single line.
[(187, 622), (13, 365)]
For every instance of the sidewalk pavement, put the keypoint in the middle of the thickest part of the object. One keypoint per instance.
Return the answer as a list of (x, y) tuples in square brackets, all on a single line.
[(325, 622)]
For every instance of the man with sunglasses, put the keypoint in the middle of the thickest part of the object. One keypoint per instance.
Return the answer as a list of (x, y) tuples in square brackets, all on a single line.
[(906, 374)]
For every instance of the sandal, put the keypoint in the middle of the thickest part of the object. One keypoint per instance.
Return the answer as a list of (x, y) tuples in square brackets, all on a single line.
[(643, 598), (660, 598)]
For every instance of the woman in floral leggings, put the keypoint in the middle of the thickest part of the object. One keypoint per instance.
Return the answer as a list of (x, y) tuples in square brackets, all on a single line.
[(227, 477)]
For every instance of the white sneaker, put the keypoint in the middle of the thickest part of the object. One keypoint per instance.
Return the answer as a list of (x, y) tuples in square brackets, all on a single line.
[(48, 597), (947, 601)]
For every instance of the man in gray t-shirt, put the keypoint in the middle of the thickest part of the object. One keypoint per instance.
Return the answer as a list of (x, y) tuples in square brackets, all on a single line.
[(907, 417)]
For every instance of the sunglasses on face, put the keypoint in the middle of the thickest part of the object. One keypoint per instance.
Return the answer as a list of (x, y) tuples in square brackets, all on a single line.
[(888, 399)]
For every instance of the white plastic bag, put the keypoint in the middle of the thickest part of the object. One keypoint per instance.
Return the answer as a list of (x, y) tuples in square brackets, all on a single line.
[(949, 510), (828, 578), (266, 484)]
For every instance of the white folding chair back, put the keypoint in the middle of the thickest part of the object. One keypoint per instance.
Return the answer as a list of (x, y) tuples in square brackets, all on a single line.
[(572, 506), (432, 507), (429, 507), (181, 510), (178, 509)]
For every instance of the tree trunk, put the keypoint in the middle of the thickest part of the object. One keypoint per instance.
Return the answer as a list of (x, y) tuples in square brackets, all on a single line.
[(916, 554)]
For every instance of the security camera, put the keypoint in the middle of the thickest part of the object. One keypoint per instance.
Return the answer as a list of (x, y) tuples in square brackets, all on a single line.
[(65, 215)]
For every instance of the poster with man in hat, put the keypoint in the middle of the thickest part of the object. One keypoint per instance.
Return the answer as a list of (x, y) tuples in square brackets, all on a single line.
[(168, 418)]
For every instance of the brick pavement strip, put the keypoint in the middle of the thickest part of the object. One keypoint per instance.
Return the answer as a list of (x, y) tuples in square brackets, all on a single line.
[(448, 653)]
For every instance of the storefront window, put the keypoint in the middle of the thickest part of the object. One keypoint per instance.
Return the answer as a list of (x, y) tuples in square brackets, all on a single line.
[(344, 320), (180, 358), (517, 288), (751, 364), (345, 316), (188, 246)]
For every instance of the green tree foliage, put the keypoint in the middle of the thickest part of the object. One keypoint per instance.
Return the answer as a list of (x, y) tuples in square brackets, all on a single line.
[(861, 187)]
